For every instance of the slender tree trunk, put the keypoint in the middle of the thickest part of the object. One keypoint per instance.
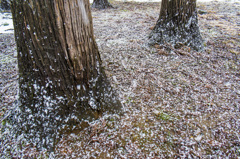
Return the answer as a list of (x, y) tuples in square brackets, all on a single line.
[(61, 80), (177, 24), (101, 4)]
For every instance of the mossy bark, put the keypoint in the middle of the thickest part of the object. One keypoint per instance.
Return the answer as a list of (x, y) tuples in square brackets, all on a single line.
[(177, 24), (61, 80)]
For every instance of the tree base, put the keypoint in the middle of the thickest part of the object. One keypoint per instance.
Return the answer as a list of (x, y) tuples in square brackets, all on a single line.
[(101, 4), (176, 30), (177, 37), (43, 115)]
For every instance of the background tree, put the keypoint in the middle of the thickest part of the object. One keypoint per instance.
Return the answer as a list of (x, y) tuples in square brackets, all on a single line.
[(5, 4), (61, 80), (177, 24), (101, 4)]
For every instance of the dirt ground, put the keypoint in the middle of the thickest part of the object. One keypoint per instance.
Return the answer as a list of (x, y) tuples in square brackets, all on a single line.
[(177, 103)]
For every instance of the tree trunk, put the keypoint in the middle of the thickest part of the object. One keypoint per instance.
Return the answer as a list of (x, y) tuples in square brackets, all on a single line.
[(5, 5), (101, 4), (61, 80), (177, 24)]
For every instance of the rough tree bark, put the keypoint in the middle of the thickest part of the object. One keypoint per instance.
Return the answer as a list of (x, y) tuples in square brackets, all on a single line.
[(177, 24), (101, 4), (61, 80)]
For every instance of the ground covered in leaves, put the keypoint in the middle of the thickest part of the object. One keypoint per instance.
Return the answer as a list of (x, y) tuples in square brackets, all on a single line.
[(177, 103)]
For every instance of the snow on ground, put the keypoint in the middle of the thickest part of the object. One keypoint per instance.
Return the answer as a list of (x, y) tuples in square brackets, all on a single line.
[(6, 24), (177, 104)]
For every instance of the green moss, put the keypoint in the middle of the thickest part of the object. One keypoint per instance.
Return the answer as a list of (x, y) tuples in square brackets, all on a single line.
[(125, 10), (3, 122), (164, 116), (5, 24)]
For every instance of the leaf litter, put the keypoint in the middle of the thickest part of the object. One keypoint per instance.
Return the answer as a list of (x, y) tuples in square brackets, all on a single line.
[(177, 103)]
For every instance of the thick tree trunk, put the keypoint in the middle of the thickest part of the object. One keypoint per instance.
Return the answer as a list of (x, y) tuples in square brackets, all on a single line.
[(177, 24), (101, 4), (61, 81)]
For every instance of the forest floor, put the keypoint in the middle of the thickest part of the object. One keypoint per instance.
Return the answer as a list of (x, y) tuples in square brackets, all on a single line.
[(177, 103)]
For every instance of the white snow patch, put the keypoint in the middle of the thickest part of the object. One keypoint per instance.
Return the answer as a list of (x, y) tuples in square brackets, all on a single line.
[(134, 83), (79, 87), (115, 79), (6, 23)]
